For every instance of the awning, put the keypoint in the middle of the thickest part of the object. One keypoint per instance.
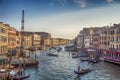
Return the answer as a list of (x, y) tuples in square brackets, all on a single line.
[(91, 50)]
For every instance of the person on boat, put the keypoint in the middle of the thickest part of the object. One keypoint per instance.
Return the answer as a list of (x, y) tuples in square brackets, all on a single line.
[(11, 74), (78, 68), (14, 51), (20, 70)]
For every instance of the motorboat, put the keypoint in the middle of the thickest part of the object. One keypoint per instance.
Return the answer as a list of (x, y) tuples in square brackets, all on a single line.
[(26, 62), (52, 54)]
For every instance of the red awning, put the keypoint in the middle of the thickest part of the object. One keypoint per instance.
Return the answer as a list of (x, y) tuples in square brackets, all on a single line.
[(118, 52)]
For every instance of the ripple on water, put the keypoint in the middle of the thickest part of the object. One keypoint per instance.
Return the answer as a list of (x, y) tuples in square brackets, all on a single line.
[(62, 68)]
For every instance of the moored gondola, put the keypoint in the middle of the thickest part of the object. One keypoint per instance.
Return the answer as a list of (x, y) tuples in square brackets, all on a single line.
[(19, 77), (13, 74), (26, 62)]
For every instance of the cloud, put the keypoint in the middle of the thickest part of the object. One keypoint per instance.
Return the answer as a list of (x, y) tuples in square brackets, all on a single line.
[(69, 23), (110, 1), (81, 3), (58, 2)]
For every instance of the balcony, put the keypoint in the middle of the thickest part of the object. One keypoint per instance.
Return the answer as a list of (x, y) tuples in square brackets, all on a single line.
[(12, 36)]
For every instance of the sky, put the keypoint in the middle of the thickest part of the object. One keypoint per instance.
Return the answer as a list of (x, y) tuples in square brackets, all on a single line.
[(61, 18)]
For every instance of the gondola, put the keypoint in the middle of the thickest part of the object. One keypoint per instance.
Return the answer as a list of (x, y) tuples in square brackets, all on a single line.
[(84, 59), (19, 78), (75, 56), (83, 55), (93, 61), (82, 71), (13, 74)]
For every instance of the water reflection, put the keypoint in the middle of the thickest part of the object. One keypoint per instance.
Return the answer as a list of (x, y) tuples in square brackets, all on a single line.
[(78, 77)]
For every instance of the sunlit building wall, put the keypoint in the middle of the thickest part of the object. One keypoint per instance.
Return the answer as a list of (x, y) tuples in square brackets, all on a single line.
[(11, 37), (18, 39), (36, 40), (28, 40), (3, 38)]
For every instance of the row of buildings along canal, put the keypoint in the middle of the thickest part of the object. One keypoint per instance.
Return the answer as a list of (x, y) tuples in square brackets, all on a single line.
[(10, 38), (105, 40), (15, 43)]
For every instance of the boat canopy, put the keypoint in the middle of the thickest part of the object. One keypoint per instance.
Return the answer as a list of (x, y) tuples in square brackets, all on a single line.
[(91, 50)]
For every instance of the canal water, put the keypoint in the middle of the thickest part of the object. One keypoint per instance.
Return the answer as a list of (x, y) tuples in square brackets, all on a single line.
[(63, 66)]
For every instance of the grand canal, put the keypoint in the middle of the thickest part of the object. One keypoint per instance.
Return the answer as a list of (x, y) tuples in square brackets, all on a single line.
[(62, 68)]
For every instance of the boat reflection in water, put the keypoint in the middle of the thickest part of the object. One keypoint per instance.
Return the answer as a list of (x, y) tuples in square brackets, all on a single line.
[(78, 77)]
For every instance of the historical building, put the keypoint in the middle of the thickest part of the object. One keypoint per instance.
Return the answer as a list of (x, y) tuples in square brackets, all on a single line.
[(63, 41), (18, 39), (88, 37), (11, 37), (96, 37), (27, 40), (3, 38), (59, 41), (105, 40), (45, 39), (54, 41), (36, 40)]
